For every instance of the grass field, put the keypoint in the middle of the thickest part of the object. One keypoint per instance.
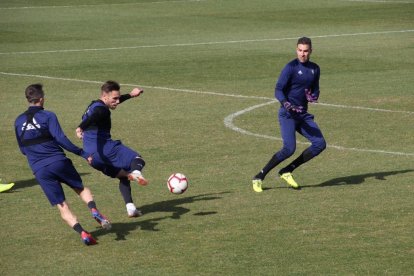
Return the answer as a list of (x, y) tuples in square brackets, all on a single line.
[(209, 68)]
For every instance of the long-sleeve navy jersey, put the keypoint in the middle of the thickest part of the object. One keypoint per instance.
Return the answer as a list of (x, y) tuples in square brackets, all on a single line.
[(96, 124), (41, 138), (295, 79)]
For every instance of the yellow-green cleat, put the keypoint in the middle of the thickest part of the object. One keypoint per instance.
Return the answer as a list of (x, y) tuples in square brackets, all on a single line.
[(6, 187), (257, 185), (288, 177)]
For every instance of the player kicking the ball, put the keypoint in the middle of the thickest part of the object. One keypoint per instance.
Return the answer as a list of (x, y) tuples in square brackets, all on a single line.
[(41, 140), (298, 85), (111, 157)]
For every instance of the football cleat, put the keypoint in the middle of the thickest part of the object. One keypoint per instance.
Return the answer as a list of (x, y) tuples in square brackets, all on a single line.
[(6, 187), (137, 176), (87, 238), (132, 211), (257, 185), (134, 214), (101, 219), (288, 177)]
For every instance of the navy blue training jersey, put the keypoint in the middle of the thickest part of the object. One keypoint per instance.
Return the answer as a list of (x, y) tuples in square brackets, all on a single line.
[(41, 138), (295, 79), (96, 124)]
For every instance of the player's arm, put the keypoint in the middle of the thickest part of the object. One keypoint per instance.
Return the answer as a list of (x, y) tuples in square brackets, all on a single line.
[(281, 85), (134, 93), (315, 89), (18, 141), (57, 133), (312, 95)]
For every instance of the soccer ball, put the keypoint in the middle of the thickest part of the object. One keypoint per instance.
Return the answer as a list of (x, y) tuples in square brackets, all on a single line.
[(177, 183)]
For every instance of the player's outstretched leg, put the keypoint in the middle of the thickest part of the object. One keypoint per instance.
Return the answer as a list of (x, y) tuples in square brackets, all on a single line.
[(86, 196), (137, 165), (137, 176), (72, 221), (101, 219)]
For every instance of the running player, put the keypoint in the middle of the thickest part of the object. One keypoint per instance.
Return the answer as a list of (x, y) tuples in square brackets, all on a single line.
[(41, 140), (298, 85)]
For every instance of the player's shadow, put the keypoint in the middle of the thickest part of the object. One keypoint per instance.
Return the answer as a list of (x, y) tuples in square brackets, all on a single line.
[(172, 207), (356, 179), (23, 184)]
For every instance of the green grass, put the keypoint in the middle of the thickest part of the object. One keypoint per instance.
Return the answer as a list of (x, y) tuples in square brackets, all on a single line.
[(354, 215)]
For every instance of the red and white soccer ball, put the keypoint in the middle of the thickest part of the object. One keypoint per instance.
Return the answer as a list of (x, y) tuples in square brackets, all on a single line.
[(177, 183)]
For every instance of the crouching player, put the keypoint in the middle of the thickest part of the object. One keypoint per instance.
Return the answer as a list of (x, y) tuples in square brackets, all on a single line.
[(111, 157)]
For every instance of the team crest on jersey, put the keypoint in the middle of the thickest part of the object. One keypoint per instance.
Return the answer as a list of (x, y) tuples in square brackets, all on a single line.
[(300, 72), (30, 126)]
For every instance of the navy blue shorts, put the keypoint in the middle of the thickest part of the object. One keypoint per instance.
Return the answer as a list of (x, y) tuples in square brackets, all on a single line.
[(113, 157), (51, 177)]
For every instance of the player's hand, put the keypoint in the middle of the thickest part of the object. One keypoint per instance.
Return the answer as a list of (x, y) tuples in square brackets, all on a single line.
[(292, 107), (89, 159), (136, 92), (79, 133), (312, 98)]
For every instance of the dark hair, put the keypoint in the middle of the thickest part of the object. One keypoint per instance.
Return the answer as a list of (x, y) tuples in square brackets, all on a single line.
[(305, 41), (110, 86), (34, 93)]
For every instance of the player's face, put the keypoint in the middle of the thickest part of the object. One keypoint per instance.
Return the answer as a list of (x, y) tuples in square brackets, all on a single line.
[(111, 99), (303, 51)]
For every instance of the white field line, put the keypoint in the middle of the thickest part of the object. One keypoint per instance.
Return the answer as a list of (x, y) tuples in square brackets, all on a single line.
[(228, 121), (202, 92), (380, 1), (366, 108), (200, 43), (167, 2), (162, 2), (136, 85), (98, 5)]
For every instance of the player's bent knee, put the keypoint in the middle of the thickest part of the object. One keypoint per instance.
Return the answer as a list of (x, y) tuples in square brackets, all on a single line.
[(286, 152), (319, 146)]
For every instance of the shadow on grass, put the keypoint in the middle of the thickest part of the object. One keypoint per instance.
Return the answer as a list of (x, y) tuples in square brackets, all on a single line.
[(356, 179), (346, 180), (169, 206), (22, 184)]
